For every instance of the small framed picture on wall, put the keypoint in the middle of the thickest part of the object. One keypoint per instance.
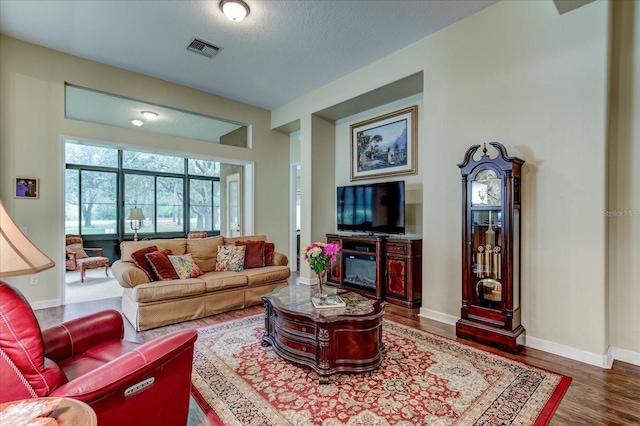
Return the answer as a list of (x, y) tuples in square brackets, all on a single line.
[(27, 188)]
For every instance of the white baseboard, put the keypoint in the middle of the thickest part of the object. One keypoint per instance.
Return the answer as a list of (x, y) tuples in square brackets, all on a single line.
[(599, 360), (625, 355), (43, 304), (307, 281), (438, 316)]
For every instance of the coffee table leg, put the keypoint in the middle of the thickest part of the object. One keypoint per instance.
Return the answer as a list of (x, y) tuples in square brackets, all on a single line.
[(323, 354)]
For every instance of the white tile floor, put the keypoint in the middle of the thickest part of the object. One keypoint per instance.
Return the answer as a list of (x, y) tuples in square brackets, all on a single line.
[(96, 286)]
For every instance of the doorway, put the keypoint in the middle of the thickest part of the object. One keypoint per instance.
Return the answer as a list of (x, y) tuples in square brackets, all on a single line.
[(294, 252), (234, 205)]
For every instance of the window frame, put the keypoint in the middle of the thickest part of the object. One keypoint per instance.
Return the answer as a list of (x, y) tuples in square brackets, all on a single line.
[(121, 173)]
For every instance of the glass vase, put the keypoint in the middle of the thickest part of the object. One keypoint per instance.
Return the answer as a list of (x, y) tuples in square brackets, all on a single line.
[(321, 292)]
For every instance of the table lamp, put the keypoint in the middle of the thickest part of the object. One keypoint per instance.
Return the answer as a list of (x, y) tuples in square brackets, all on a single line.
[(18, 255), (135, 217)]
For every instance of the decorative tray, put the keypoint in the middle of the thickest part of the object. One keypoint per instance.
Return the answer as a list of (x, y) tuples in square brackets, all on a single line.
[(328, 302)]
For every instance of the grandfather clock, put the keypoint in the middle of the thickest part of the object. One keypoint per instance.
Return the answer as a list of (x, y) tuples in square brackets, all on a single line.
[(491, 249)]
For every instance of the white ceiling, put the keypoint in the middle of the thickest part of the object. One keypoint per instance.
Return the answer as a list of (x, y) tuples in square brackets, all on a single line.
[(282, 50)]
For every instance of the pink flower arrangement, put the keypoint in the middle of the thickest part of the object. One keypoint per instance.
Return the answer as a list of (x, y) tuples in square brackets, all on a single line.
[(320, 256)]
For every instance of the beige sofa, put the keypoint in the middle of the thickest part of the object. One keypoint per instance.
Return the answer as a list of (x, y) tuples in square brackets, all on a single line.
[(153, 304)]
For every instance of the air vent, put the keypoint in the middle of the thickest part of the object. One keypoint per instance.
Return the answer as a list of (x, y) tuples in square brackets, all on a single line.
[(204, 48)]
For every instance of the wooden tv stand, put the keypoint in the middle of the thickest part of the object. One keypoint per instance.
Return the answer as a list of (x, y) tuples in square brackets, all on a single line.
[(397, 274)]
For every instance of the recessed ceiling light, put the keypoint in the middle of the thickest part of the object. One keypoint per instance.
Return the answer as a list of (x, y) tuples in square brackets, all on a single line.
[(235, 10), (137, 123), (150, 115)]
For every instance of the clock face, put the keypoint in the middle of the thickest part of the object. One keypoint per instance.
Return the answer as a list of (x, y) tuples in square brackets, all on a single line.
[(486, 189)]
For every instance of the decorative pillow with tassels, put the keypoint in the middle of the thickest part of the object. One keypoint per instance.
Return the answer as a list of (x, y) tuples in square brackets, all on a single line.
[(185, 266), (161, 265), (230, 258)]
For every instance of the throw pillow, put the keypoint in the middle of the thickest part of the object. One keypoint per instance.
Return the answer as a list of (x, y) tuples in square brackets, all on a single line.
[(253, 253), (184, 266), (141, 261), (230, 258), (269, 250), (161, 265), (78, 250)]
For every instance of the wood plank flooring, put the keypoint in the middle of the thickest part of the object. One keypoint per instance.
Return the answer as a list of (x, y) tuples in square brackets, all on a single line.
[(596, 396)]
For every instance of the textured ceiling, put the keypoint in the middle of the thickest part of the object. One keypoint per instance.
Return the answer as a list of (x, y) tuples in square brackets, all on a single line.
[(282, 50)]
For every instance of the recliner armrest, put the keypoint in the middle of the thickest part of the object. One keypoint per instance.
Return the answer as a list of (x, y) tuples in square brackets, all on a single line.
[(76, 336), (129, 368)]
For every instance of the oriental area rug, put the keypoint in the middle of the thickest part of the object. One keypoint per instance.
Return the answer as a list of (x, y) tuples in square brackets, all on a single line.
[(424, 379)]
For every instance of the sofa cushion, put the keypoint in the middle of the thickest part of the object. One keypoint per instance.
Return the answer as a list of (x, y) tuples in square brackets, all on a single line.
[(269, 250), (267, 274), (230, 258), (223, 280), (253, 253), (176, 245), (164, 290), (161, 265), (184, 266), (204, 251), (141, 261), (78, 250)]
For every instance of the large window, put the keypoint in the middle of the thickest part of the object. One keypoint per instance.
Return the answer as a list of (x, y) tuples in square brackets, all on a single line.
[(100, 179)]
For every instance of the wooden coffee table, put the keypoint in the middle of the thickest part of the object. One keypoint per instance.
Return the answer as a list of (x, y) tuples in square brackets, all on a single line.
[(327, 340)]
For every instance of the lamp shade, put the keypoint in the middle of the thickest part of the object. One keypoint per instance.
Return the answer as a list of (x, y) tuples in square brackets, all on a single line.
[(18, 255), (135, 213)]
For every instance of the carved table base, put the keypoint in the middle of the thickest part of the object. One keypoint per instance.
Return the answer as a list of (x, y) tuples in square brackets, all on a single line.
[(327, 340)]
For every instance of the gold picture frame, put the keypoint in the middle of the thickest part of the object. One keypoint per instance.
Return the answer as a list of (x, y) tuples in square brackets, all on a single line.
[(27, 188), (385, 146)]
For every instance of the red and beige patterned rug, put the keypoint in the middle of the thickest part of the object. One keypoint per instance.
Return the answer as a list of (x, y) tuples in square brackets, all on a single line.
[(424, 379)]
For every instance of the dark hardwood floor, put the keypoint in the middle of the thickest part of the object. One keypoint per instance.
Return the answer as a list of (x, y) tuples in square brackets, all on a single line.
[(596, 396)]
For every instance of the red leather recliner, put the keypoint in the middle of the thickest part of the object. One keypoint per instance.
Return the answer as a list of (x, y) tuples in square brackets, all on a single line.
[(126, 383)]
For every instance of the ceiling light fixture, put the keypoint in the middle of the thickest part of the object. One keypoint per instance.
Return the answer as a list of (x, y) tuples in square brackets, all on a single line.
[(150, 115), (235, 10), (137, 123)]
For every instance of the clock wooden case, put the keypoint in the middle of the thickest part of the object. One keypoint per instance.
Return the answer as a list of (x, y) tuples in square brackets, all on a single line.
[(491, 201)]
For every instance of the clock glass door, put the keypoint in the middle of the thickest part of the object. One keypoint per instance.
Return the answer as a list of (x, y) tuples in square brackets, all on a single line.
[(486, 245)]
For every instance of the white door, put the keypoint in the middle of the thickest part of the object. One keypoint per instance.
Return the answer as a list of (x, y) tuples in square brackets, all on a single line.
[(294, 252), (234, 205)]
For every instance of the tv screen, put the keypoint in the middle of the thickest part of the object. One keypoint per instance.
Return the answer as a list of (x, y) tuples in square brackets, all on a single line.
[(372, 208)]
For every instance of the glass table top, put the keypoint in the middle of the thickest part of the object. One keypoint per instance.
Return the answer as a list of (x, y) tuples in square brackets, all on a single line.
[(297, 298)]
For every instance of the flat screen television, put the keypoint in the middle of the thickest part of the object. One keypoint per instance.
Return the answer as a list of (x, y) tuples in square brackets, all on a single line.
[(371, 208)]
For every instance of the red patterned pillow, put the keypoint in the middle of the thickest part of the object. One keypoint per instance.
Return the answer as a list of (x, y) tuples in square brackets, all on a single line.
[(161, 264), (141, 261), (269, 250), (253, 253)]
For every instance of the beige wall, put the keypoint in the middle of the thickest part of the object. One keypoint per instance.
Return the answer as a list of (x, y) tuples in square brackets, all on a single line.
[(523, 75), (413, 183), (32, 122)]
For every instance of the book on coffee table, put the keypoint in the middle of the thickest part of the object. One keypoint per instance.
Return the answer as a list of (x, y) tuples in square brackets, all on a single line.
[(332, 301)]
